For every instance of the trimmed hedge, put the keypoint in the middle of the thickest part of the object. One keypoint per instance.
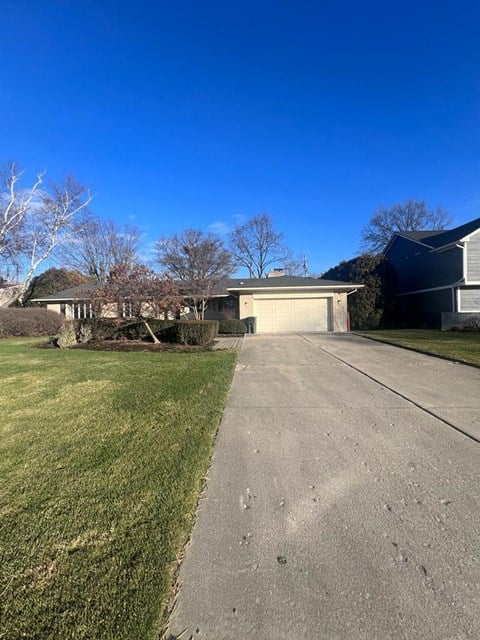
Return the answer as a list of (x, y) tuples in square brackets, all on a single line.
[(164, 330), (201, 332), (232, 327), (28, 322), (188, 332), (103, 328)]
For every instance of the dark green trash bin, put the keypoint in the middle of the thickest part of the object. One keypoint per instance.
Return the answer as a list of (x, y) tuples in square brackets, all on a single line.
[(251, 323)]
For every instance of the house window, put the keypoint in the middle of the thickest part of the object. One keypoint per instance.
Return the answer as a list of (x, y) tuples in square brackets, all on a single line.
[(126, 310), (82, 310)]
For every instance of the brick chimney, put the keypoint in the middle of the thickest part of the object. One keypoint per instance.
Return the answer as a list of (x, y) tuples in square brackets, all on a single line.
[(276, 273)]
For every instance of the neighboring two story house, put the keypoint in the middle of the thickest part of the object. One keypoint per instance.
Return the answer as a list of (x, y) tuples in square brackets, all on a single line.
[(437, 276)]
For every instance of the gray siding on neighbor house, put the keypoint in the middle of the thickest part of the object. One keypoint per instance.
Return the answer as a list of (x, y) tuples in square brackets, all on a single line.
[(472, 247), (416, 267), (469, 299)]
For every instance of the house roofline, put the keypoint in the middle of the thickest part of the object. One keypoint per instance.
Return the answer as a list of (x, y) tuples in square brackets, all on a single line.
[(340, 287), (59, 300), (446, 286), (469, 235), (447, 247)]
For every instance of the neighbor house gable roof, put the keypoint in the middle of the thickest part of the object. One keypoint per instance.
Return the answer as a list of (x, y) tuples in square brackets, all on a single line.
[(437, 239), (453, 235), (419, 235)]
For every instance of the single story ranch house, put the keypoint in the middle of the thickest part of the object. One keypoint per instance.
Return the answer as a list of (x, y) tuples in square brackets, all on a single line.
[(279, 303)]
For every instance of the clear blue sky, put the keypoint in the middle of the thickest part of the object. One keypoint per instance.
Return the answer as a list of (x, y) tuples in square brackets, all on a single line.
[(194, 113)]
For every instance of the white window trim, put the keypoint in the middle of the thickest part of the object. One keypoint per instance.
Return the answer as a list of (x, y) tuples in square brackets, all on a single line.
[(459, 306)]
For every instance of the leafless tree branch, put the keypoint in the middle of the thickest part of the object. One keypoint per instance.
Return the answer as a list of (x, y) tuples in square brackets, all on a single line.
[(412, 215), (34, 222)]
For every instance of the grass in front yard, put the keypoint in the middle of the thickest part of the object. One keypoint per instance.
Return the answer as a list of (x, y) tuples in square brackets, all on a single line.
[(461, 346), (102, 457)]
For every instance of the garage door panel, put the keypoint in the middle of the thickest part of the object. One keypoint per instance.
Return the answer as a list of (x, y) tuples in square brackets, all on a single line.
[(276, 315)]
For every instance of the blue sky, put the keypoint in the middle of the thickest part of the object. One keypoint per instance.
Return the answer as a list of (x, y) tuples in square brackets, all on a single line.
[(198, 113)]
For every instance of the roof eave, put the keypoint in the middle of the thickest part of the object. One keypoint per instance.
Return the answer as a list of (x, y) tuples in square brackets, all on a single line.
[(55, 300), (329, 287), (446, 247)]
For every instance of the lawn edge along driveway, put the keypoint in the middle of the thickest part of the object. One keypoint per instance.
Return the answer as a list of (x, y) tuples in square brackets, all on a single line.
[(456, 346), (102, 458)]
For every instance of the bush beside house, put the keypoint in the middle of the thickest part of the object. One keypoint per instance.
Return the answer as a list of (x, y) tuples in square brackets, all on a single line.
[(196, 332), (372, 306), (232, 327), (25, 322), (187, 332)]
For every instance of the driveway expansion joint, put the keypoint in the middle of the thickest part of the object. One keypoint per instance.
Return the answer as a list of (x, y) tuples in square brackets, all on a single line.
[(397, 393)]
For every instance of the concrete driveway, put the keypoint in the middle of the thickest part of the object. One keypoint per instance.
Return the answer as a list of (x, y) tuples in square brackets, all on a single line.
[(342, 503)]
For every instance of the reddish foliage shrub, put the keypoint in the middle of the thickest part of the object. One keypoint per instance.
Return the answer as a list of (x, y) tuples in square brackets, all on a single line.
[(30, 322)]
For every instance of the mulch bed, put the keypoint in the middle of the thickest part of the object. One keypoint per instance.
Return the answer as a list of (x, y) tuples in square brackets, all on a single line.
[(138, 345)]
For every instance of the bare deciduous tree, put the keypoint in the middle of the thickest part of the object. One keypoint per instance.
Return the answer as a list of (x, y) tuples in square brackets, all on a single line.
[(137, 288), (98, 245), (412, 215), (33, 222), (198, 261), (256, 246)]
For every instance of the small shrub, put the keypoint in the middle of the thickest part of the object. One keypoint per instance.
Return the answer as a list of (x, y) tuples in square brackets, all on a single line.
[(201, 332), (85, 333), (28, 322), (67, 335), (232, 327)]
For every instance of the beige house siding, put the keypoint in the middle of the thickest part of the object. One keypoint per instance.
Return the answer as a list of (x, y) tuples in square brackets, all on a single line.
[(54, 307), (340, 312), (245, 305)]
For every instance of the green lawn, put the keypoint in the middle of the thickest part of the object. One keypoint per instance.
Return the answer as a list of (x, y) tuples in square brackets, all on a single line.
[(461, 346), (102, 456)]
